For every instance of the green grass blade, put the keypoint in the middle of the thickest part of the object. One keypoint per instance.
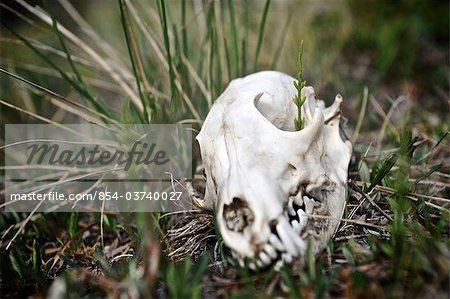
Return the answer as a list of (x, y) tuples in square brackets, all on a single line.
[(184, 34), (234, 39), (212, 58), (261, 33), (134, 56), (73, 224), (383, 171), (36, 258), (211, 38), (63, 44), (130, 114), (428, 173), (243, 58), (178, 47), (165, 31), (228, 60), (215, 70), (180, 71), (434, 146), (218, 76)]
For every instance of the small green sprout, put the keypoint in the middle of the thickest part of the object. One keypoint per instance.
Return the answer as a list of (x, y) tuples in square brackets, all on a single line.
[(298, 99)]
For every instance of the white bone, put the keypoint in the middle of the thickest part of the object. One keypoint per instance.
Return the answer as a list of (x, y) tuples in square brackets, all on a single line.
[(264, 258), (288, 242), (270, 250), (255, 161)]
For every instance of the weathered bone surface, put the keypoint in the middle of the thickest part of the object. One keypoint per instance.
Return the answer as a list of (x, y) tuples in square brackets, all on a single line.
[(265, 180)]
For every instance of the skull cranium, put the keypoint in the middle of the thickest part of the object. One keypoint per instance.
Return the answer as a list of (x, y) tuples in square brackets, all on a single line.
[(266, 180)]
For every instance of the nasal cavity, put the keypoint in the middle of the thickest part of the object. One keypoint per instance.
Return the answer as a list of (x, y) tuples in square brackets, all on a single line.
[(237, 215)]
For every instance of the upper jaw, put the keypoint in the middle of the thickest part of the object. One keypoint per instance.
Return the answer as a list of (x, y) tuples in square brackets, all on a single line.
[(288, 234)]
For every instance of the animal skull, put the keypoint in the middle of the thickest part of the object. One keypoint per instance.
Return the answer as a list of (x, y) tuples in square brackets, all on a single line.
[(265, 180)]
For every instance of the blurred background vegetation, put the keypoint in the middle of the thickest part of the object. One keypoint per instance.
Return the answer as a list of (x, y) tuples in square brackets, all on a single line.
[(392, 48), (167, 61)]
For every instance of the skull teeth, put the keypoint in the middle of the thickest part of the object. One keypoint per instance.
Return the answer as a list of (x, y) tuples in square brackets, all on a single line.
[(270, 250), (259, 263), (290, 206), (276, 242), (283, 230), (303, 218), (287, 257), (241, 262), (298, 206), (285, 242), (296, 225), (309, 204), (265, 258)]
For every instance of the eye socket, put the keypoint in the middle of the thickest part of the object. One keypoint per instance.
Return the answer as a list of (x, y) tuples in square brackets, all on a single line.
[(274, 114), (237, 215)]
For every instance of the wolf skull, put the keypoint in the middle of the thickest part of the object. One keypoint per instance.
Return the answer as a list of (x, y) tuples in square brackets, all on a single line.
[(273, 188)]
